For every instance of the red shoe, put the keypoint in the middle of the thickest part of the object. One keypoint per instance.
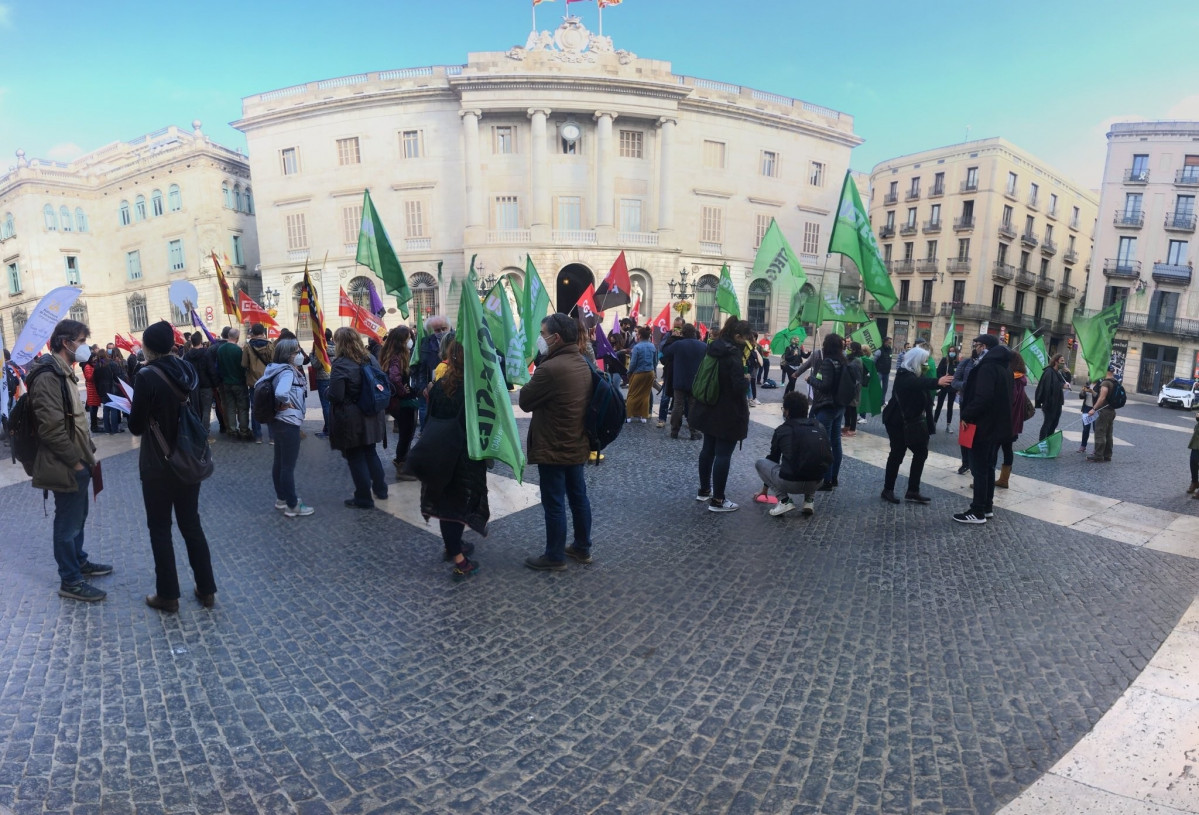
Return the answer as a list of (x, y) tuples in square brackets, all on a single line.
[(761, 498)]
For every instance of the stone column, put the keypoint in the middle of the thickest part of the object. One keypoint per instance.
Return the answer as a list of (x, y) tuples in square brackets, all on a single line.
[(604, 186), (476, 210), (666, 177), (539, 171)]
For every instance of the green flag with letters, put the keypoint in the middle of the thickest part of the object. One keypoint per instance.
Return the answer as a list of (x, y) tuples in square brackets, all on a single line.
[(375, 252), (951, 334), (776, 256), (497, 311), (853, 237), (1048, 447), (534, 306), (869, 337), (1036, 358), (1095, 335), (828, 306), (726, 295), (781, 339), (490, 424)]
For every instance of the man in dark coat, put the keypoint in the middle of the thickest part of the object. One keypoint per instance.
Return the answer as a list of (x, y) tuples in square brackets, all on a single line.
[(1051, 395), (725, 422), (986, 403)]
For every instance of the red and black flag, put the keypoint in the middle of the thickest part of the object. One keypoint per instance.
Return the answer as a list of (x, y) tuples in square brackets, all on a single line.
[(614, 291)]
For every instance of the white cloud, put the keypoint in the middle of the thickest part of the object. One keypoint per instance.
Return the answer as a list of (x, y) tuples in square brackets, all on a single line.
[(1185, 109), (5, 15), (65, 151)]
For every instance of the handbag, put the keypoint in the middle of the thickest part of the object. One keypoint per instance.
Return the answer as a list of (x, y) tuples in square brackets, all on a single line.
[(1029, 409), (434, 456)]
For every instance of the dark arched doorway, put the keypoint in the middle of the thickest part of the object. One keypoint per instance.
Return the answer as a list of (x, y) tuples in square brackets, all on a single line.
[(573, 280)]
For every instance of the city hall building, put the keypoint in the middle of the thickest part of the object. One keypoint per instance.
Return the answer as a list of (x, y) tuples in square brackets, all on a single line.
[(564, 149)]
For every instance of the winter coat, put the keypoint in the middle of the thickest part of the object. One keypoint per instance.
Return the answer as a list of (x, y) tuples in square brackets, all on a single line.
[(291, 388), (684, 357), (856, 365), (1019, 384), (728, 419), (987, 397), (464, 498), (782, 445), (882, 360), (199, 359), (1050, 393), (558, 395), (824, 384), (257, 354), (104, 378), (89, 376), (155, 399), (348, 426), (63, 440), (961, 373), (912, 396)]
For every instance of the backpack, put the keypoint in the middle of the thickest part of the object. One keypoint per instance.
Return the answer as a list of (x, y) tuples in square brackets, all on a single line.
[(264, 399), (376, 390), (705, 387), (1117, 397), (22, 423), (811, 454), (769, 384), (605, 413), (191, 459), (847, 384)]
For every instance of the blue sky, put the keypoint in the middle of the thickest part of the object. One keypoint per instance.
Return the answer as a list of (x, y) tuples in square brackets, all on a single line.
[(1049, 76)]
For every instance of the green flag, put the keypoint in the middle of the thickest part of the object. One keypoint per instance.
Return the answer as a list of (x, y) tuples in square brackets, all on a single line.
[(1036, 358), (497, 311), (1095, 335), (375, 252), (853, 237), (871, 400), (775, 256), (420, 337), (1048, 447), (439, 272), (781, 339), (868, 336), (951, 334), (534, 306), (726, 295), (490, 423), (825, 307)]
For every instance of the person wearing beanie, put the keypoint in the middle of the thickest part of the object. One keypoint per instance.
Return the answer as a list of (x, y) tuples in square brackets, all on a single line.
[(986, 403), (157, 391)]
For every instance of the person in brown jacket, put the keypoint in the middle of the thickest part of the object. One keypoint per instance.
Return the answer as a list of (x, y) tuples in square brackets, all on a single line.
[(255, 356), (65, 455), (557, 396)]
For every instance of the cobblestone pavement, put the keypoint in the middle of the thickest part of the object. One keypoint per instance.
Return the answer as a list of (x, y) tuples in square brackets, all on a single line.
[(869, 659)]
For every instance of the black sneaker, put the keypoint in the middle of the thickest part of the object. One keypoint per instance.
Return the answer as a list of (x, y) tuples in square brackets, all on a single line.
[(578, 555), (81, 591), (544, 564), (90, 569), (827, 486), (968, 517), (468, 549), (963, 469)]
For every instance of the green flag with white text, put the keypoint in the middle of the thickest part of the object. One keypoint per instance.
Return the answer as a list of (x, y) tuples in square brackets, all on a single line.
[(853, 237), (726, 295), (1095, 335), (776, 256), (497, 311), (951, 334), (375, 252), (828, 306), (490, 424), (868, 336), (1048, 447), (534, 306), (1036, 358)]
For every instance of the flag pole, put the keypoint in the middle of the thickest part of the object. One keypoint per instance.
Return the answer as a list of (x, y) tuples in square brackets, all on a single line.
[(601, 17), (534, 17)]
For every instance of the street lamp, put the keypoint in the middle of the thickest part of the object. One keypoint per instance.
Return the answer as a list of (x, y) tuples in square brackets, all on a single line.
[(485, 285), (269, 298), (685, 289)]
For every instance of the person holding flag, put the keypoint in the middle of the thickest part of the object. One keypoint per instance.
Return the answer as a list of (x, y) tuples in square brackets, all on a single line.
[(1051, 396)]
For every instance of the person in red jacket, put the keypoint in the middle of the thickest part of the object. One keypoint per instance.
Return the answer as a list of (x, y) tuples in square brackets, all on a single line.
[(93, 396)]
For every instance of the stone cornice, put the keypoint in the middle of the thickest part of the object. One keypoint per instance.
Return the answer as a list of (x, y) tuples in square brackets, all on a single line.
[(765, 117), (766, 202), (813, 210), (287, 202), (414, 185), (713, 193)]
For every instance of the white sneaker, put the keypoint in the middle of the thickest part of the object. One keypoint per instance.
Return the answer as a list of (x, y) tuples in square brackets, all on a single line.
[(299, 509), (782, 507), (724, 506), (809, 507), (280, 505)]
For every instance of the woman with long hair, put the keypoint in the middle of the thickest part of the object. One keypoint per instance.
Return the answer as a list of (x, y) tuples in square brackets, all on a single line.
[(462, 500), (1019, 383), (727, 421), (93, 396), (833, 365), (286, 378), (395, 359), (906, 422), (351, 431)]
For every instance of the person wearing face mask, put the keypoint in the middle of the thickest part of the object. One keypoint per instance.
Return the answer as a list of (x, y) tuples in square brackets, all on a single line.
[(394, 359), (437, 328), (947, 365), (287, 379), (65, 455), (960, 374)]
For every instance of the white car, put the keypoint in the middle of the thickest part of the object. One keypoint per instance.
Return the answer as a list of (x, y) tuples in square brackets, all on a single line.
[(1181, 392)]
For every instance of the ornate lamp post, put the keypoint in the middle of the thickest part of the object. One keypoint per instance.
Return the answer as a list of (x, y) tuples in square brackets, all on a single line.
[(682, 291), (270, 297), (485, 285)]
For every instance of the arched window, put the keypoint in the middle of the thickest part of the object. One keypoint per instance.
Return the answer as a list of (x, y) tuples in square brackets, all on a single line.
[(78, 312), (174, 198), (9, 229), (249, 202), (359, 291), (424, 294), (139, 208), (303, 324), (51, 219), (757, 309), (64, 218), (19, 318), (237, 205), (124, 213), (80, 219), (705, 301), (226, 195), (156, 203), (640, 286), (137, 312)]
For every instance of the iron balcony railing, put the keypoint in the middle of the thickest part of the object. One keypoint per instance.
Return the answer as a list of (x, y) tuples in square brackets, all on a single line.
[(958, 266), (1010, 193), (1008, 231), (1180, 221), (1032, 202), (885, 232), (912, 195), (916, 307), (1187, 177), (901, 266), (1070, 257), (1003, 271), (1177, 327), (937, 191), (932, 227), (963, 224), (1117, 267), (1067, 292), (890, 198), (1174, 273), (1025, 279), (1129, 219), (969, 186), (1048, 247), (908, 229), (927, 266), (1044, 285), (1029, 239), (1136, 176)]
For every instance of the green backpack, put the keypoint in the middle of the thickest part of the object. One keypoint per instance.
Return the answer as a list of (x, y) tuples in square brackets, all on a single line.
[(706, 386)]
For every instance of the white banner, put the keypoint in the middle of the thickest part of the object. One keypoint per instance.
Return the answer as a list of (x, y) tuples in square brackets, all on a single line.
[(52, 309)]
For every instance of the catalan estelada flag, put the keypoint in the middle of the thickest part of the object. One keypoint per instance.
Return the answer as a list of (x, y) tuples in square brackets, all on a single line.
[(226, 294), (311, 302)]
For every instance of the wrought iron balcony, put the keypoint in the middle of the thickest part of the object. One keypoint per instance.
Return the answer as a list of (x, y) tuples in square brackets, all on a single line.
[(927, 266), (885, 232), (1008, 231), (1181, 328), (1025, 279), (916, 307), (908, 229), (958, 266), (1127, 269), (937, 191), (890, 198), (1136, 176), (1180, 221), (1174, 273), (912, 195), (1029, 239), (963, 224), (1070, 257), (1048, 247), (932, 227), (997, 316), (1187, 177), (1067, 292), (969, 186), (1133, 219), (901, 266), (1044, 285), (1003, 271)]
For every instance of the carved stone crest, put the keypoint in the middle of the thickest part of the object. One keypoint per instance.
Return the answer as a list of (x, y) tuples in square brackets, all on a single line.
[(571, 43)]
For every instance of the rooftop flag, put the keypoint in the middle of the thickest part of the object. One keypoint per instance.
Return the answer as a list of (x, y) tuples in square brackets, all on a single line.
[(853, 237)]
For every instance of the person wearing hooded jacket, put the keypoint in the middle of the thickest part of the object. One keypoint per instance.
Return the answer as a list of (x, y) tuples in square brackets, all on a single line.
[(254, 358), (351, 431), (157, 400), (285, 377), (833, 365), (727, 421), (986, 403)]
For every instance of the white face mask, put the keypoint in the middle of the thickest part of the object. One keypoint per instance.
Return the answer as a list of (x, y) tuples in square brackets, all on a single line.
[(83, 353), (297, 360), (543, 347), (410, 344)]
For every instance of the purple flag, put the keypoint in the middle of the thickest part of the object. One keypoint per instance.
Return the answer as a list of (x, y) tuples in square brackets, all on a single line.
[(377, 307), (198, 323), (603, 348)]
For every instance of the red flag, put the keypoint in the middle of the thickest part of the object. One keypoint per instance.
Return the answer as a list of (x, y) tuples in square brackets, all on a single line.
[(345, 306), (310, 305), (122, 343), (586, 309), (661, 323), (226, 296), (251, 312), (361, 319), (179, 338), (635, 314), (703, 331), (614, 291)]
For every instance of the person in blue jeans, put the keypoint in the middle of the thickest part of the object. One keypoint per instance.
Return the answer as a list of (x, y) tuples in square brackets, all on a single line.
[(557, 396), (833, 365), (351, 431), (286, 378)]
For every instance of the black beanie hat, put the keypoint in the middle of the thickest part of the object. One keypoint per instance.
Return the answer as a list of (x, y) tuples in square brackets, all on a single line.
[(989, 340), (159, 338)]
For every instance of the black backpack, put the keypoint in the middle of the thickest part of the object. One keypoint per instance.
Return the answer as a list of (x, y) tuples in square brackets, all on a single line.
[(376, 391), (605, 413), (811, 454), (190, 459), (264, 399), (22, 423), (848, 383), (1117, 397)]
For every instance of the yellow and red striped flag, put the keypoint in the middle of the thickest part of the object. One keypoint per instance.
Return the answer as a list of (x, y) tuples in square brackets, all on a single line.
[(226, 294), (606, 3), (310, 303)]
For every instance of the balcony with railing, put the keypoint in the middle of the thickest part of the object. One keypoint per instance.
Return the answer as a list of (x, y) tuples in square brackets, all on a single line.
[(912, 195), (1048, 247), (416, 244), (890, 198), (1025, 279), (963, 224), (575, 237), (1029, 239), (1003, 271), (521, 236), (1172, 273), (936, 191), (1067, 292), (904, 267), (932, 227), (927, 266), (1044, 285), (1180, 221), (1136, 176), (918, 308), (1130, 219), (638, 238), (1008, 231), (711, 248), (969, 186), (1181, 328), (885, 232), (1187, 177), (1051, 213), (1120, 268), (997, 316), (1071, 256), (908, 229)]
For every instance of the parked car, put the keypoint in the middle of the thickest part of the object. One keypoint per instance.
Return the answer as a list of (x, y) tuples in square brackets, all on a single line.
[(1181, 392)]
